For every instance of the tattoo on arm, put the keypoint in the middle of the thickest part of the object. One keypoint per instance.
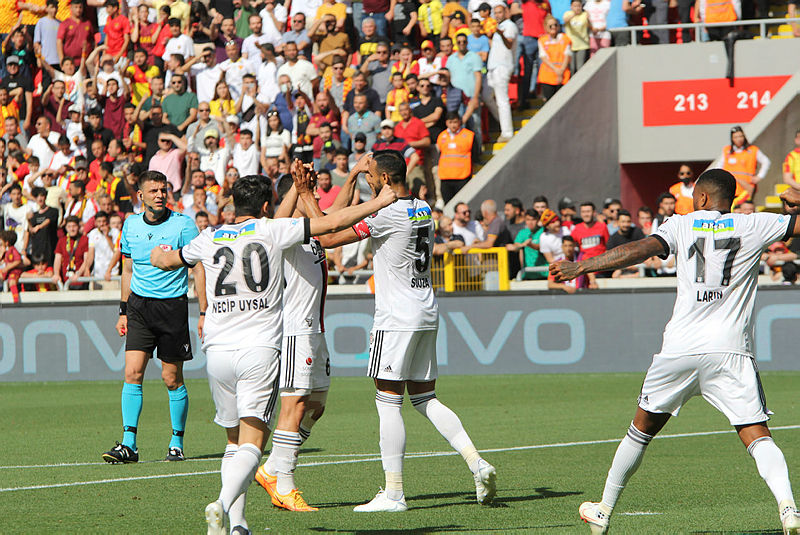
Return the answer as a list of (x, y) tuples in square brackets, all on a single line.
[(625, 255)]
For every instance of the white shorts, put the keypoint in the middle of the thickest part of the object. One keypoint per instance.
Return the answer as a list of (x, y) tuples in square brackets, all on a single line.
[(305, 364), (244, 383), (403, 355), (728, 381)]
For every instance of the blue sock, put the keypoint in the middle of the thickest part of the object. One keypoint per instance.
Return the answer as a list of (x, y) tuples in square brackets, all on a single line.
[(131, 410), (178, 409)]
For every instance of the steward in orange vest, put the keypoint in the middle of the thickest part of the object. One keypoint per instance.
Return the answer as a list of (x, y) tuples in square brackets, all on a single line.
[(557, 51), (683, 191), (741, 159), (455, 156)]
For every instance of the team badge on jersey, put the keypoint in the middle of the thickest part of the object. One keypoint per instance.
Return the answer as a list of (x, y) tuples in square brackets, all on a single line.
[(165, 247)]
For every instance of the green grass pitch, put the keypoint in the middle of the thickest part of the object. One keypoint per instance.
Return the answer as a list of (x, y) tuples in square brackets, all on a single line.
[(699, 483)]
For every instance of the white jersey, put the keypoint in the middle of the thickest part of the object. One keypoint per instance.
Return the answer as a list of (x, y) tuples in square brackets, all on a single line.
[(306, 272), (718, 257), (402, 239), (244, 280)]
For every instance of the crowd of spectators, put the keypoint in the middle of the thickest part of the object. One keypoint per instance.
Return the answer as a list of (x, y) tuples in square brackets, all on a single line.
[(94, 92)]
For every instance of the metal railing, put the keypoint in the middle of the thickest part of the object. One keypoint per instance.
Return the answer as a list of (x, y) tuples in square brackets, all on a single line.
[(61, 286), (761, 23)]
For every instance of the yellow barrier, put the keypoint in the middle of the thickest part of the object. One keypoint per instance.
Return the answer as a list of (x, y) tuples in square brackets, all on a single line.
[(475, 270)]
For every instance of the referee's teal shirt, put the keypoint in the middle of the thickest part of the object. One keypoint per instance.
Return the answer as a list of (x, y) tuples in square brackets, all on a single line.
[(172, 231)]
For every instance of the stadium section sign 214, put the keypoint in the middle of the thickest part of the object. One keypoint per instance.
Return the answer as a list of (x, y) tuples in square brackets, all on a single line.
[(709, 101), (491, 334)]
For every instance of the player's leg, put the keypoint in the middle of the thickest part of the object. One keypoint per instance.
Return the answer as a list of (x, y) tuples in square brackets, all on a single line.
[(174, 348), (388, 365), (131, 402), (669, 383), (731, 384), (421, 385)]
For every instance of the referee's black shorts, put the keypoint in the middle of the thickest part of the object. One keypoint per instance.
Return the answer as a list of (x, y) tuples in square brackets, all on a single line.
[(161, 324)]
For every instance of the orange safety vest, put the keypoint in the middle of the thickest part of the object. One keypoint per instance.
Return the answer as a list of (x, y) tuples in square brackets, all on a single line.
[(742, 165), (683, 204), (455, 160), (720, 11), (555, 49)]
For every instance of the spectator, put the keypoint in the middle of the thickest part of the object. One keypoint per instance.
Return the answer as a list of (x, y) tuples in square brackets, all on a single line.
[(168, 158), (20, 89), (569, 251), (477, 42), (576, 26), (42, 227), (627, 233), (276, 140), (398, 94), (742, 160), (540, 204), (102, 245), (235, 69), (611, 208), (429, 108), (533, 14), (156, 95), (388, 141), (326, 189), (296, 35), (415, 133), (246, 153), (45, 35), (551, 240), (618, 14), (226, 34), (336, 82), (70, 253), (451, 7), (791, 164), (645, 217), (273, 21), (723, 11), (566, 210), (514, 213), (216, 158), (377, 66), (598, 11), (222, 104), (429, 64), (445, 241), (195, 132), (591, 236), (206, 72), (76, 34), (43, 143), (117, 31), (501, 67), (361, 87), (152, 129), (332, 41), (363, 121), (404, 21), (666, 208), (455, 156), (526, 242), (341, 170), (12, 262), (497, 234), (15, 217), (80, 206), (430, 19), (301, 72), (554, 53), (179, 43), (466, 73), (468, 229), (180, 106), (683, 190), (41, 270)]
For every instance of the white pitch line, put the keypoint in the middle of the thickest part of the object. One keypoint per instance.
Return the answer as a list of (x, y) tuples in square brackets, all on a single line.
[(416, 455), (640, 513)]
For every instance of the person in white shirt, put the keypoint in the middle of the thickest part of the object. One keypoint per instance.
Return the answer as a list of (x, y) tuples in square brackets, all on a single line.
[(403, 337), (469, 229), (179, 43), (306, 7), (206, 73), (251, 47), (235, 69), (267, 74), (15, 217), (501, 66), (102, 240), (216, 160), (300, 71), (707, 347), (44, 143), (273, 21), (246, 154), (551, 239)]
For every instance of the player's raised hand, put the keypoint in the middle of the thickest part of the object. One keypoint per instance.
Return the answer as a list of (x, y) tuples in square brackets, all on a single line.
[(301, 177), (791, 197), (564, 270), (362, 165), (387, 195)]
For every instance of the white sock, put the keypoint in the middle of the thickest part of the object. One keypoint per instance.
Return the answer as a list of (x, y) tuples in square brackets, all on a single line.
[(447, 423), (626, 462), (392, 441), (305, 432), (236, 512), (238, 474), (285, 447), (772, 467)]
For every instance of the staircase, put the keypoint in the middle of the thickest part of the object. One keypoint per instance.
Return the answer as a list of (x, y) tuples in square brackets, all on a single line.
[(773, 203), (521, 118)]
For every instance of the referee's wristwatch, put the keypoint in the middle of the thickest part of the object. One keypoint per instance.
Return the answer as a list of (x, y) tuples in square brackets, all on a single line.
[(123, 308)]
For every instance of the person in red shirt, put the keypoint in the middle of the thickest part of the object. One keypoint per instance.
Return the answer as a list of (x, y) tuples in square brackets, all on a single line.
[(325, 111), (326, 190), (75, 36), (533, 15), (591, 236), (416, 134), (117, 30), (12, 259), (40, 270), (71, 251)]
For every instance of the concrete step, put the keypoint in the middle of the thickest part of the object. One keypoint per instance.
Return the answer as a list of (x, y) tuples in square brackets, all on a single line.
[(773, 201), (780, 188)]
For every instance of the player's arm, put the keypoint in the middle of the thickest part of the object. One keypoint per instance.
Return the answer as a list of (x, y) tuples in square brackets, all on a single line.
[(623, 256), (286, 209), (167, 260)]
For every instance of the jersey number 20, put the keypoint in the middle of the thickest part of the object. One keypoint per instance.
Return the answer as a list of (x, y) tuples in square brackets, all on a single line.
[(226, 253)]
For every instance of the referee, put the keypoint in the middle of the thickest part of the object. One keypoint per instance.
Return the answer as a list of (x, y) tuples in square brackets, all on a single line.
[(153, 313)]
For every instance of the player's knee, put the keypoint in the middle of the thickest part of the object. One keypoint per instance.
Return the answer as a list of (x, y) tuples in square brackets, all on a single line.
[(171, 379), (133, 375)]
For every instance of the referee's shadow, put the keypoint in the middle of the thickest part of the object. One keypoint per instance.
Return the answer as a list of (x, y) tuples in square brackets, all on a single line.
[(219, 455)]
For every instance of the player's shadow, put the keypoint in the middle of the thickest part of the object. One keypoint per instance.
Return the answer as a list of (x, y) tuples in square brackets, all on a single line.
[(540, 493), (435, 529), (310, 450), (207, 456)]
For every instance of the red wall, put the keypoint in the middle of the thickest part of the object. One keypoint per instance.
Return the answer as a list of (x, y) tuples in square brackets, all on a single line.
[(642, 183)]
